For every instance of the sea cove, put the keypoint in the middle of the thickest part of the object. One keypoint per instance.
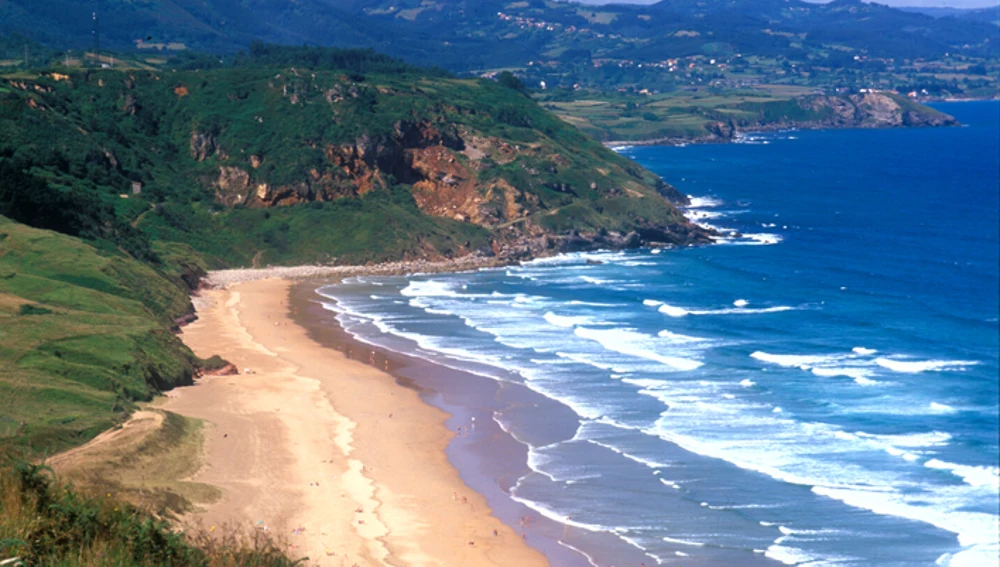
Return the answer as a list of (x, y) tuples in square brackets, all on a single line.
[(819, 387)]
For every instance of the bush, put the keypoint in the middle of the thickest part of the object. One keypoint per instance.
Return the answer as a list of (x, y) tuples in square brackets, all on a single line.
[(29, 309)]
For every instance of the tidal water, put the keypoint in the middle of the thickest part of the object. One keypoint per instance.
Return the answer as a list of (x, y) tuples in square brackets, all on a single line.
[(820, 387)]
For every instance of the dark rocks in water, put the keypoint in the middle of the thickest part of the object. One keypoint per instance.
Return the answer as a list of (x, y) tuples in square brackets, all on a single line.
[(593, 262), (670, 193)]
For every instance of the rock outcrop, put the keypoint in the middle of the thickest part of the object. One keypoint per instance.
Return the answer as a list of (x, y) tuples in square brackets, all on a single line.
[(203, 145), (870, 109), (444, 167)]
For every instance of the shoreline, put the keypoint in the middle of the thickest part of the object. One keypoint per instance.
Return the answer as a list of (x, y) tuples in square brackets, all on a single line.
[(675, 141), (737, 135), (357, 472), (488, 458), (483, 456)]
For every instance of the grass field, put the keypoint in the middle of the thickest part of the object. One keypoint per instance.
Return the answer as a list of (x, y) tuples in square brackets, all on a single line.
[(622, 117)]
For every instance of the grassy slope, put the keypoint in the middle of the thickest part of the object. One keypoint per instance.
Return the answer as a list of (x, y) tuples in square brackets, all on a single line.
[(84, 335)]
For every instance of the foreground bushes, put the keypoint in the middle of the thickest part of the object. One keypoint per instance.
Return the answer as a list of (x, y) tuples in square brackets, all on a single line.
[(45, 522)]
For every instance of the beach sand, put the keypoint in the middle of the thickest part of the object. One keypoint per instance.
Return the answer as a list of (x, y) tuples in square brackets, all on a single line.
[(328, 453)]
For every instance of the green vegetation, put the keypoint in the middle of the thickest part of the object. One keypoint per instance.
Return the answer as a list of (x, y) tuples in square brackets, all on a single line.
[(45, 522), (85, 335)]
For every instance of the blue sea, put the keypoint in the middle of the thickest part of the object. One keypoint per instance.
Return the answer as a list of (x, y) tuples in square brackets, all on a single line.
[(819, 387)]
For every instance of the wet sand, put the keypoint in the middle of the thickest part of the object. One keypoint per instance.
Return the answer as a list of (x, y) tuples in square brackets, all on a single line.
[(328, 453)]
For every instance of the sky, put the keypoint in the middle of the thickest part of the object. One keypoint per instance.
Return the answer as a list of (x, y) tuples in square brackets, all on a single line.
[(921, 3)]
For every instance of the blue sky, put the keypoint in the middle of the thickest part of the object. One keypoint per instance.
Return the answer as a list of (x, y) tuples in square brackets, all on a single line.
[(922, 3)]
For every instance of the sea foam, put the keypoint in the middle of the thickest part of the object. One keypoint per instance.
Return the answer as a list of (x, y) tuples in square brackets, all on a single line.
[(630, 342)]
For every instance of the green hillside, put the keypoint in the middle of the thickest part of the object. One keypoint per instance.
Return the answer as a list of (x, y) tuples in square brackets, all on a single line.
[(85, 334)]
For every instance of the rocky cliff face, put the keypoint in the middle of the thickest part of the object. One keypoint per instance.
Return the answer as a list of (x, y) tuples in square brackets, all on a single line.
[(448, 169)]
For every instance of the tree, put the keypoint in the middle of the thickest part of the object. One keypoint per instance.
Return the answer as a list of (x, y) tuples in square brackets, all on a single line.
[(508, 80)]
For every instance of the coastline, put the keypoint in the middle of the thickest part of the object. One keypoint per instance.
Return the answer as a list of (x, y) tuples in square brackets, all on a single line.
[(326, 452), (737, 134)]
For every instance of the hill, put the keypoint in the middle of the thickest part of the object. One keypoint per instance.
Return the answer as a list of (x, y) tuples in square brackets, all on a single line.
[(703, 115), (666, 46), (272, 163), (476, 34), (988, 15), (86, 334)]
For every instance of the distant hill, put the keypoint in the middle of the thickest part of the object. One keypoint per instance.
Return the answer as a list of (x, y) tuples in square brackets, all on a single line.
[(222, 26), (477, 34), (988, 15)]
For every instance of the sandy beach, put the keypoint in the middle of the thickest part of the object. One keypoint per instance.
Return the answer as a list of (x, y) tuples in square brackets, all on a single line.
[(328, 453)]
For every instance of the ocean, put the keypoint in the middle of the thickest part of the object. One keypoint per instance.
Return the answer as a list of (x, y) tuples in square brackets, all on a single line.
[(819, 387)]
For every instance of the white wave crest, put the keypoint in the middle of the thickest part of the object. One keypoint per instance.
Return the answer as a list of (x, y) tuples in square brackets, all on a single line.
[(672, 310), (703, 202), (978, 476), (788, 555), (916, 366), (632, 343), (911, 440), (569, 322), (647, 462), (940, 408), (683, 542), (793, 360), (675, 311), (429, 288), (596, 281), (679, 338)]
